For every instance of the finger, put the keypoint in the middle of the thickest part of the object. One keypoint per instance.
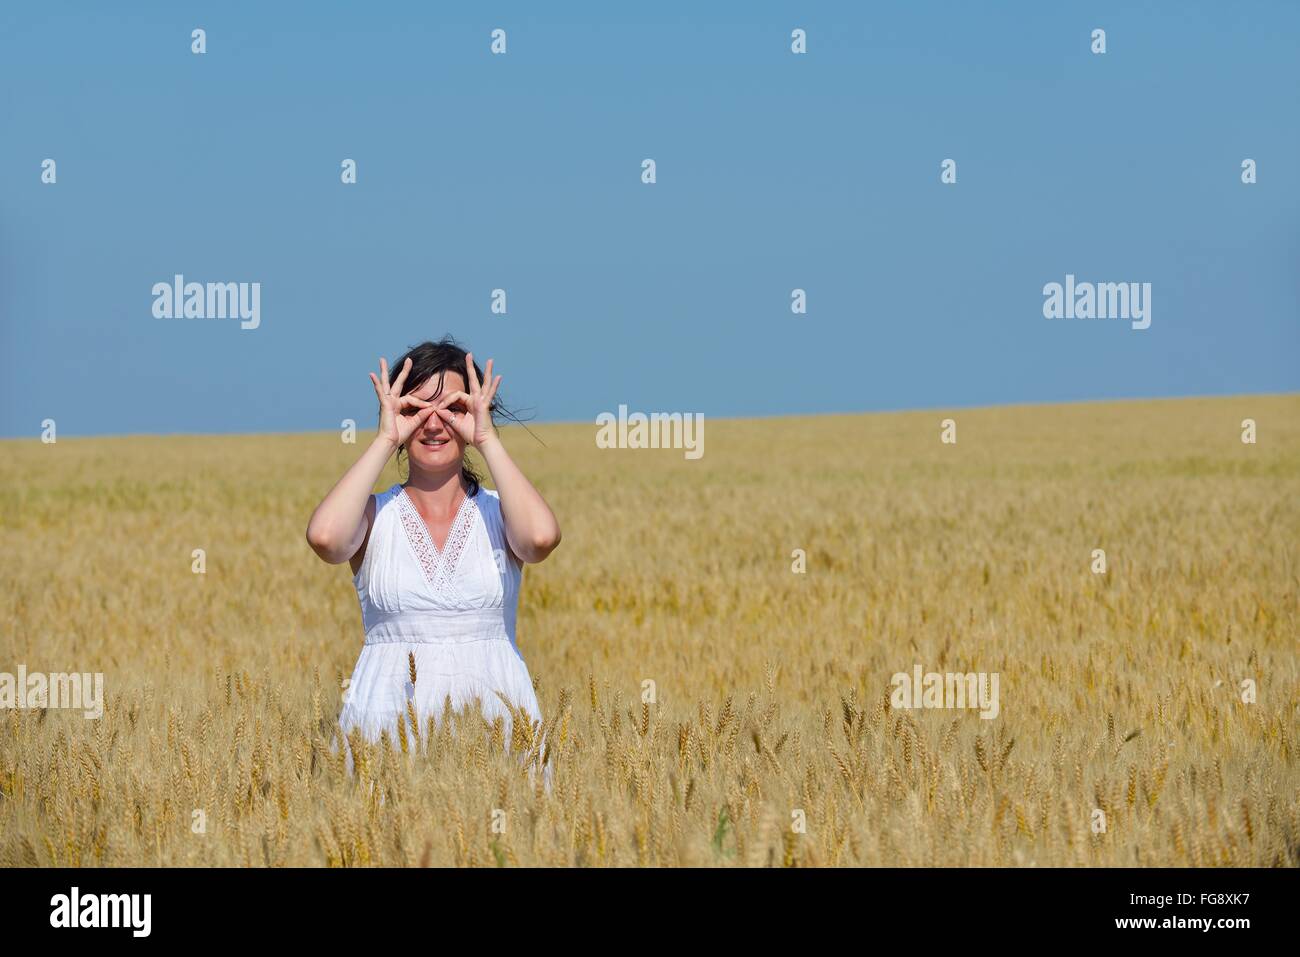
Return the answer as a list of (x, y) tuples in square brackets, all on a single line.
[(383, 372), (448, 398), (409, 401), (416, 419), (457, 423), (379, 391), (471, 375), (492, 390), (401, 377), (487, 374)]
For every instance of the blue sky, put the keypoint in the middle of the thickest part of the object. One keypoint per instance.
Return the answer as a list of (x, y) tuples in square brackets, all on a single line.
[(522, 172)]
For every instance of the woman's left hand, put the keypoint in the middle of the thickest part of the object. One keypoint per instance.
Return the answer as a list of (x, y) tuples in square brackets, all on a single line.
[(531, 529), (469, 416)]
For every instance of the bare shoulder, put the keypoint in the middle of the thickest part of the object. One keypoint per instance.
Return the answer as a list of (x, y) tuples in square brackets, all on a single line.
[(359, 555)]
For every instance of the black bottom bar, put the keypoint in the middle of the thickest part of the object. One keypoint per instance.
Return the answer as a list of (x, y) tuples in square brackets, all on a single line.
[(970, 907)]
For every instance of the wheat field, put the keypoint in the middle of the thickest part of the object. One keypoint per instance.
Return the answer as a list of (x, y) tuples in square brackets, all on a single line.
[(770, 740)]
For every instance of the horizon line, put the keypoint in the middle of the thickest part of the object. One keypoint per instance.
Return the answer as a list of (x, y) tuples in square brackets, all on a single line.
[(731, 418)]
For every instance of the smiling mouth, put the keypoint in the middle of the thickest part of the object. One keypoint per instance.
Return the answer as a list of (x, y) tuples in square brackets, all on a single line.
[(434, 443)]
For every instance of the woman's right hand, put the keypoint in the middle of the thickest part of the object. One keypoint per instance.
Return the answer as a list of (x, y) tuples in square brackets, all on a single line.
[(399, 415)]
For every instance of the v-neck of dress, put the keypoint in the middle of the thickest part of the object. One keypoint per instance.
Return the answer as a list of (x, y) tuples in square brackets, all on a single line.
[(438, 565)]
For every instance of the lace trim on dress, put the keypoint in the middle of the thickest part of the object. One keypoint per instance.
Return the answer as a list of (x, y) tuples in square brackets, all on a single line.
[(457, 536), (439, 569)]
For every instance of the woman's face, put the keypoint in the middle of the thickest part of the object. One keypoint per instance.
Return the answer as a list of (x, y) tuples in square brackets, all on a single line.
[(434, 447)]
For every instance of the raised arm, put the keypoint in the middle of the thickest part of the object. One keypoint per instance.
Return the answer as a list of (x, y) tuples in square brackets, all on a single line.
[(340, 524), (531, 528)]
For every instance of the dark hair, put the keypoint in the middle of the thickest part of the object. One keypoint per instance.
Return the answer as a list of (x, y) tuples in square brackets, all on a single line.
[(435, 359)]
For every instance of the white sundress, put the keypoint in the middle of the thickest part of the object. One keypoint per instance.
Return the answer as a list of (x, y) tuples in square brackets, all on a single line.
[(455, 610)]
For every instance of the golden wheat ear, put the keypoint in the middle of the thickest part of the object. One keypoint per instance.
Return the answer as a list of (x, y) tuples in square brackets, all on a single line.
[(505, 701)]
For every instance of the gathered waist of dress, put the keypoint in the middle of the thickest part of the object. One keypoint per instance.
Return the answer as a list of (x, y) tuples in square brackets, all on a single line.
[(434, 628)]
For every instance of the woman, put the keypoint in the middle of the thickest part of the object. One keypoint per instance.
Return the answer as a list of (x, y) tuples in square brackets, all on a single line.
[(437, 561)]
